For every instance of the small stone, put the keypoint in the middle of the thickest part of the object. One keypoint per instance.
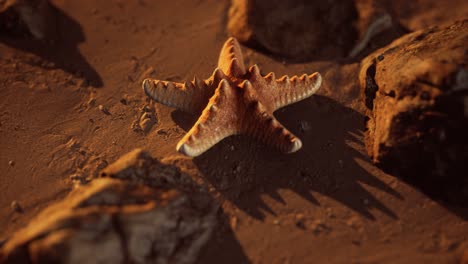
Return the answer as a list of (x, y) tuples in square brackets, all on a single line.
[(147, 121), (11, 163), (304, 126), (91, 101), (276, 222), (83, 83), (233, 222), (300, 221), (161, 132), (104, 109), (146, 125), (16, 207), (77, 180)]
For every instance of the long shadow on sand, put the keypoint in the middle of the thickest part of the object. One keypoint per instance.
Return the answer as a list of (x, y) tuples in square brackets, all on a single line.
[(61, 47), (243, 171)]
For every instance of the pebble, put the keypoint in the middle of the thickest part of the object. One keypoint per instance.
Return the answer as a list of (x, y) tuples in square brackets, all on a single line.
[(161, 132), (104, 109), (83, 83), (91, 102), (16, 207), (11, 163), (300, 221), (304, 126), (147, 121), (276, 222), (233, 222)]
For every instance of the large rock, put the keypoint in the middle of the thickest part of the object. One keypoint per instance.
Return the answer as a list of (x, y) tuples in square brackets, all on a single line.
[(416, 92), (134, 214), (36, 15), (299, 29)]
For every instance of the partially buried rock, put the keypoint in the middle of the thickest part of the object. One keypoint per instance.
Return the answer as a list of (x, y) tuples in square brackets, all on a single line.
[(128, 216), (297, 30), (37, 16), (416, 92)]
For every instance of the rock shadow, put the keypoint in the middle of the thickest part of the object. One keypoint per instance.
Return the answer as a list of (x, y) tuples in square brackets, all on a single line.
[(243, 170), (60, 48), (223, 247)]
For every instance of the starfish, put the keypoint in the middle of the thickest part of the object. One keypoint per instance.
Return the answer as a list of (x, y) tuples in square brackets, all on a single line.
[(234, 101)]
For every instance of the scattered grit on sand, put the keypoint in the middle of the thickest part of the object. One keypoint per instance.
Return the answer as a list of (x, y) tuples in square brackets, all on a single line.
[(67, 112)]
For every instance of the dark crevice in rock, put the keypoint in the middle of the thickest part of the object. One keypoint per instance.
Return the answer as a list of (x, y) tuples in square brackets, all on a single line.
[(371, 86), (122, 236)]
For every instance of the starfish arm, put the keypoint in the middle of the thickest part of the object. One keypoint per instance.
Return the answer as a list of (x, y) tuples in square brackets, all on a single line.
[(230, 60), (189, 96), (291, 90), (263, 126), (215, 123)]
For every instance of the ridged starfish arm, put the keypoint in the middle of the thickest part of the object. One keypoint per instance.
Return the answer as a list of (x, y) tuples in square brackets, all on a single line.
[(230, 60), (263, 126), (189, 96), (294, 89), (215, 123)]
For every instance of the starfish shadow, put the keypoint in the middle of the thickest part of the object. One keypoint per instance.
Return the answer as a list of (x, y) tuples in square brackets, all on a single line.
[(243, 170), (61, 47)]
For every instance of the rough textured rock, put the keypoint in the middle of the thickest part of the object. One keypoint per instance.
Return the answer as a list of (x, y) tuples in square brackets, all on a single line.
[(298, 30), (133, 214), (416, 91)]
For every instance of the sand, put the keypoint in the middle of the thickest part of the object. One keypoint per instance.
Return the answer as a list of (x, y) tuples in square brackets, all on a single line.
[(324, 204)]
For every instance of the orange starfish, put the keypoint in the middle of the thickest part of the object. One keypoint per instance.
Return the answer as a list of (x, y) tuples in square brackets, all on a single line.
[(235, 101)]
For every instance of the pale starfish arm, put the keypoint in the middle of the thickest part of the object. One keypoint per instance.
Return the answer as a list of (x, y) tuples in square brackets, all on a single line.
[(230, 60), (189, 97), (264, 126), (291, 90), (215, 123)]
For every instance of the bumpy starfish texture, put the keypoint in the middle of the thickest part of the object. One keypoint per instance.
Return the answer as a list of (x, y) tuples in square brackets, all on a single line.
[(234, 101)]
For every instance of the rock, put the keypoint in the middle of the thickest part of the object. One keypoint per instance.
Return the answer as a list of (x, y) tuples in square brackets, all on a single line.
[(415, 91), (297, 30), (83, 83), (104, 109), (91, 102), (304, 126), (11, 163), (127, 216), (147, 121), (16, 207), (37, 16)]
